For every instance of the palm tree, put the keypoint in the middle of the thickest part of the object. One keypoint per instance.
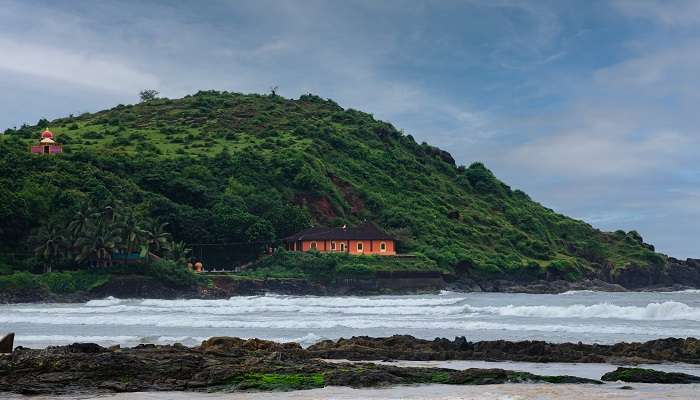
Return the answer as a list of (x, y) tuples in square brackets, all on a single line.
[(157, 238), (132, 233), (98, 242), (51, 245), (81, 219), (178, 251)]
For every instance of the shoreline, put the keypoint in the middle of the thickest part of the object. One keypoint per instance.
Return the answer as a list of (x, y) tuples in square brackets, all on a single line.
[(226, 364), (227, 286)]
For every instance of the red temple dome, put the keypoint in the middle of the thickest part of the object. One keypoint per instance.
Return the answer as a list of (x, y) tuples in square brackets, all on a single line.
[(47, 134)]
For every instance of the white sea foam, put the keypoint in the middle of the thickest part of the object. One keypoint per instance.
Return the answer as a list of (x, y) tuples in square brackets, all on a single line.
[(103, 303), (577, 292), (276, 300), (666, 311), (357, 323), (479, 316)]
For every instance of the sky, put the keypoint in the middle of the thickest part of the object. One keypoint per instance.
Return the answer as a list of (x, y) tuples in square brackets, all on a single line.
[(591, 107)]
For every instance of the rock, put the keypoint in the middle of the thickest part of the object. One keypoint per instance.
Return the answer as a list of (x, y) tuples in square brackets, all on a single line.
[(641, 375), (228, 364), (86, 348), (404, 347), (6, 343)]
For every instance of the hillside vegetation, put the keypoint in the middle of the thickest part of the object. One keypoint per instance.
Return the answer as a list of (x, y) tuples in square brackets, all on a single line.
[(246, 170)]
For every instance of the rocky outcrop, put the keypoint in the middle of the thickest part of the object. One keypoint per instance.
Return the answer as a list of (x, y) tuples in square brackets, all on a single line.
[(684, 272), (138, 286), (403, 347), (641, 375), (221, 363), (6, 343)]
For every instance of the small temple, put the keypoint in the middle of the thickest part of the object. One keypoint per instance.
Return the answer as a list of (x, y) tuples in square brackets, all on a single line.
[(47, 144)]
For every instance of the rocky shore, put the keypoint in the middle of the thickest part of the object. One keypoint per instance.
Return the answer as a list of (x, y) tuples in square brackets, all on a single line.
[(403, 347), (233, 364), (219, 364)]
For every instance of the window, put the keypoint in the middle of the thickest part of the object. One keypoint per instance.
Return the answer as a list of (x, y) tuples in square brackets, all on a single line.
[(382, 246), (359, 246), (333, 246), (313, 245)]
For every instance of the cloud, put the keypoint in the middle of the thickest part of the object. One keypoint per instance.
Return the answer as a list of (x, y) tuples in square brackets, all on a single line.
[(597, 153), (676, 13), (97, 71)]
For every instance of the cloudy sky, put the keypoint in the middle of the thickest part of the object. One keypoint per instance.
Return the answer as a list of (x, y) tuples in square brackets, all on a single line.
[(589, 106)]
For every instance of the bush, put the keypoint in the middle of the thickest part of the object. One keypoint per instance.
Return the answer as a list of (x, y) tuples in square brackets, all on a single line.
[(327, 267), (19, 281), (173, 273)]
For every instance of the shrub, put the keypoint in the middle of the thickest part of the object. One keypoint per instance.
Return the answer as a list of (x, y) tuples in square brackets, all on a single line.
[(173, 273), (18, 281)]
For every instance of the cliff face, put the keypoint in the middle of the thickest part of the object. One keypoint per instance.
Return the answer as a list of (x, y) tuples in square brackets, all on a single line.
[(240, 169)]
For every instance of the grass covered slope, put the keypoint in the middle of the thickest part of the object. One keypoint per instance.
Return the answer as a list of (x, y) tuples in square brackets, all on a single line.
[(245, 170)]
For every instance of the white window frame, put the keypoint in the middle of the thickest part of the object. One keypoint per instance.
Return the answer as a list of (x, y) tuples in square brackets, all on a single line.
[(382, 247), (360, 247), (313, 246), (333, 247)]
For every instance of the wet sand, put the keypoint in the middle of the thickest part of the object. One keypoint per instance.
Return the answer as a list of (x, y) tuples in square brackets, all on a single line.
[(611, 391)]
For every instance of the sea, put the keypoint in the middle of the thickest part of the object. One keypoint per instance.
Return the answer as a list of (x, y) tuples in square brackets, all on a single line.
[(585, 316)]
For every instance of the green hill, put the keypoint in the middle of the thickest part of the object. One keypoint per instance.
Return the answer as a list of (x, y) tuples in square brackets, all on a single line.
[(244, 170)]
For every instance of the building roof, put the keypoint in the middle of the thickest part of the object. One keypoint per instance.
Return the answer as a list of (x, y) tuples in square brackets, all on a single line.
[(364, 231)]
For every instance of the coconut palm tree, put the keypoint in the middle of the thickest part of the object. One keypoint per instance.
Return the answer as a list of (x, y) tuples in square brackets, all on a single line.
[(133, 236), (178, 251), (157, 238), (51, 245), (81, 219), (98, 242)]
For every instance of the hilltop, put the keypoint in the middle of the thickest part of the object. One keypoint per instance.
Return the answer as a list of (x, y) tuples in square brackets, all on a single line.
[(247, 169)]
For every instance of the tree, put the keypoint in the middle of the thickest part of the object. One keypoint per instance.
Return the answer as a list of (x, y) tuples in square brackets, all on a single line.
[(98, 242), (132, 233), (156, 239), (148, 95), (178, 252), (51, 245)]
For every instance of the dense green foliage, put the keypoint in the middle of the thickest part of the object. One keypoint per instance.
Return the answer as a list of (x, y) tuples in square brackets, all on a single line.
[(328, 267), (168, 272), (53, 282), (247, 170)]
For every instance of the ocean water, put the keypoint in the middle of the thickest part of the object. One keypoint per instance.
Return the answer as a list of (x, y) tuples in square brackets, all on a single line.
[(573, 316)]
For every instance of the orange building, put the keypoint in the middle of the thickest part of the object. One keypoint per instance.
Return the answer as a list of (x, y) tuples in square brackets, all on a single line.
[(366, 238), (47, 144)]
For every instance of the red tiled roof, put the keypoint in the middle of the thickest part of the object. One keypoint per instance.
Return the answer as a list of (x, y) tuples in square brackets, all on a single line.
[(364, 231)]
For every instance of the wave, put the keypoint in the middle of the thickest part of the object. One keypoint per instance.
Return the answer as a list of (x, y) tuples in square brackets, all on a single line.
[(381, 307), (359, 323), (575, 292), (109, 301), (277, 300), (666, 311)]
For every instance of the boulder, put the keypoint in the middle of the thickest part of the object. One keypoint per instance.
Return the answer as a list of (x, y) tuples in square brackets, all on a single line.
[(6, 343), (641, 375)]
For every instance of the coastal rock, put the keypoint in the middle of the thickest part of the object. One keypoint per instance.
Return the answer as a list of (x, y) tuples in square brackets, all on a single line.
[(404, 347), (226, 364), (6, 343), (641, 375)]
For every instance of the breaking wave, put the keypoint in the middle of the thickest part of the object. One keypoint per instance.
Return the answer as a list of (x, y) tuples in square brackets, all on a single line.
[(666, 311)]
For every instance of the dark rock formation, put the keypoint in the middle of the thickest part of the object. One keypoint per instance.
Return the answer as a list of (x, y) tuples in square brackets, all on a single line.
[(6, 343), (218, 364), (641, 375), (402, 347)]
